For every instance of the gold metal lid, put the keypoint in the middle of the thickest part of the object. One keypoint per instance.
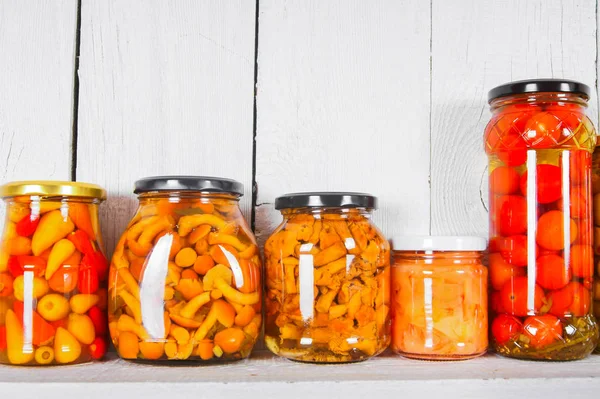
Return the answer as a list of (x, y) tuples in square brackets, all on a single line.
[(52, 188)]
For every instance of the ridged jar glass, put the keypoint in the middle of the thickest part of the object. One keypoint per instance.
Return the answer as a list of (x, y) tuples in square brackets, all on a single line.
[(540, 143), (185, 276), (327, 279)]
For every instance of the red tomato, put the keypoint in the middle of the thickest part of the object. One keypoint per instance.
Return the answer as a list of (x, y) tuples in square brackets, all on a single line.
[(580, 166), (543, 130), (504, 180), (496, 302), (542, 330), (551, 233), (578, 204), (513, 158), (552, 273), (584, 232), (88, 282), (26, 226), (99, 320), (501, 272), (548, 183), (2, 338), (503, 138), (514, 250), (572, 300), (98, 348), (512, 210), (514, 296), (581, 260), (506, 328)]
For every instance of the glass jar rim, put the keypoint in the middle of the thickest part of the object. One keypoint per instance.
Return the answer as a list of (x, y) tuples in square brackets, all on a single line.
[(439, 243), (52, 188)]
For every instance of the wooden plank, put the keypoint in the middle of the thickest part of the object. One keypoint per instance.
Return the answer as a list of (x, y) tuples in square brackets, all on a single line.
[(343, 104), (265, 375), (477, 45), (165, 88), (37, 43)]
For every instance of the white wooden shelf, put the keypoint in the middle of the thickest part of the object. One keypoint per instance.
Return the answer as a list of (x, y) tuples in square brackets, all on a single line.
[(268, 376)]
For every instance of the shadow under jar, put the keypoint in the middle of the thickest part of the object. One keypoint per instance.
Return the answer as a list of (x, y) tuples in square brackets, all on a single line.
[(539, 143), (327, 279), (53, 274), (185, 276)]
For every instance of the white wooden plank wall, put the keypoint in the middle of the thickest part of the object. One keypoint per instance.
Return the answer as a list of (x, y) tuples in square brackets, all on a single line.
[(387, 97), (37, 53)]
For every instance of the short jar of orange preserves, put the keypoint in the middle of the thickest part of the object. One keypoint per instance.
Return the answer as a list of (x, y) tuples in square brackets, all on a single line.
[(327, 279), (185, 276), (439, 297)]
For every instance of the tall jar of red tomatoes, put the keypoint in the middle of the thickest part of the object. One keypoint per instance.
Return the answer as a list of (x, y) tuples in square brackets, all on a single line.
[(540, 143)]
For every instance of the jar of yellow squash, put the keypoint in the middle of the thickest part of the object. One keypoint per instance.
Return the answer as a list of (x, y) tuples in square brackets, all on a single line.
[(52, 274), (327, 279), (185, 276)]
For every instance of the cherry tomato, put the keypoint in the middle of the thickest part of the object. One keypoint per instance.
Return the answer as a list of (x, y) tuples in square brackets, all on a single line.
[(584, 232), (581, 260), (88, 282), (543, 130), (504, 180), (99, 320), (514, 295), (548, 183), (3, 344), (578, 204), (496, 302), (513, 215), (98, 348), (514, 250), (503, 137), (542, 330), (572, 300), (26, 226), (552, 273), (501, 271), (506, 328), (550, 231), (580, 166)]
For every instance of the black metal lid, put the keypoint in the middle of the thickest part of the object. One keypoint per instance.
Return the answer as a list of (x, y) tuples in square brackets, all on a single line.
[(326, 199), (188, 183), (539, 85)]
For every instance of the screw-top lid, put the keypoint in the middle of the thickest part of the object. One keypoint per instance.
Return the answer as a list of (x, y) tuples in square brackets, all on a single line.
[(326, 200), (189, 183), (52, 188), (538, 86), (438, 243)]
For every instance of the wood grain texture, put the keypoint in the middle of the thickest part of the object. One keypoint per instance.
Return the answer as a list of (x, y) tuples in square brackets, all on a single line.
[(477, 45), (166, 88), (343, 104), (37, 46), (264, 375)]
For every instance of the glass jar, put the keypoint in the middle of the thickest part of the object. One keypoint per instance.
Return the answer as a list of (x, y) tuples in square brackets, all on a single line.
[(596, 218), (539, 143), (439, 297), (327, 279), (52, 274), (185, 276)]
